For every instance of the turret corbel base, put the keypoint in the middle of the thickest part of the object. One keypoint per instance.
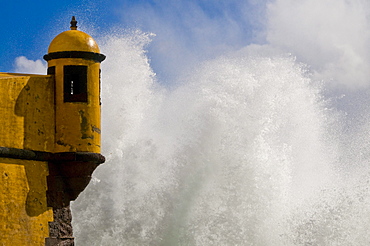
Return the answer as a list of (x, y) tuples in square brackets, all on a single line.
[(69, 174)]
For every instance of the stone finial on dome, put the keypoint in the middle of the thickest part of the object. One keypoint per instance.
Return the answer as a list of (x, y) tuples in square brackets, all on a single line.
[(73, 23)]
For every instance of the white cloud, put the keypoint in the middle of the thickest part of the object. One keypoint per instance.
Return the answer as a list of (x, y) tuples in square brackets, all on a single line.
[(332, 36), (23, 65)]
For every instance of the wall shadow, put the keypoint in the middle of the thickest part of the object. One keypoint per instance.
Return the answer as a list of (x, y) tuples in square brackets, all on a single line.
[(35, 104), (35, 175)]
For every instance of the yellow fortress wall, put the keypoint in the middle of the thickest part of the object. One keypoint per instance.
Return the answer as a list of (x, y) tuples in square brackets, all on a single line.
[(27, 111), (49, 141), (24, 214), (26, 122)]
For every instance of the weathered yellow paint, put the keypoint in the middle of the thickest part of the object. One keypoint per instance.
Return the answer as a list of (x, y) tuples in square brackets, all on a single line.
[(24, 214), (77, 124), (73, 40), (27, 112)]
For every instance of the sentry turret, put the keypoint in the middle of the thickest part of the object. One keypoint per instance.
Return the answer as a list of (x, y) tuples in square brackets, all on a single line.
[(74, 58)]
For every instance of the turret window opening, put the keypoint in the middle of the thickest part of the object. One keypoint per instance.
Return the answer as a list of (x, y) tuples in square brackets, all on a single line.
[(75, 83)]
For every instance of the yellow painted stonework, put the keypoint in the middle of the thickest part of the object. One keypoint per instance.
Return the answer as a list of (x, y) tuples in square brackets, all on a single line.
[(27, 112), (24, 214), (77, 124), (81, 132)]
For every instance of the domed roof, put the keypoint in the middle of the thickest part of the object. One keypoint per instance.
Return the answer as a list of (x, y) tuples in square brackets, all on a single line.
[(73, 40)]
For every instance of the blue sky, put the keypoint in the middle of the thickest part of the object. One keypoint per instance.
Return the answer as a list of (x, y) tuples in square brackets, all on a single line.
[(194, 28), (330, 36), (29, 26)]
